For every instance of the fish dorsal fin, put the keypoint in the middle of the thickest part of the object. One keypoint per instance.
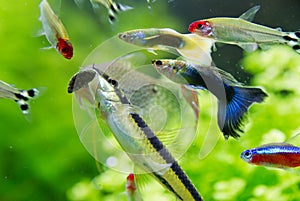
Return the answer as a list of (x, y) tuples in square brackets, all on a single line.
[(248, 47), (275, 144), (250, 14), (294, 140)]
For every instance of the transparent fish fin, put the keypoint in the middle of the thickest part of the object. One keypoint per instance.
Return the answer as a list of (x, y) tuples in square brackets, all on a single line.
[(294, 140), (39, 33), (265, 46), (152, 51), (167, 137), (47, 48), (248, 47), (141, 179), (250, 14), (191, 96), (152, 37), (123, 7), (80, 80), (79, 3), (210, 137), (197, 49)]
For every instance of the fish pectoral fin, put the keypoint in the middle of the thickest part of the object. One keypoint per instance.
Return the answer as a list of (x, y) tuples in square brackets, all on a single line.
[(154, 166), (265, 46), (249, 47), (250, 14), (151, 50), (152, 37)]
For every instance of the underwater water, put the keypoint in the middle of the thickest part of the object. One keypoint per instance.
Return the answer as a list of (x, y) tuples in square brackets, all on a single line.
[(44, 159)]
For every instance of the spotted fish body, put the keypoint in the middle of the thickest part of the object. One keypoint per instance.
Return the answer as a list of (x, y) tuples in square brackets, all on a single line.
[(55, 31), (241, 32), (21, 97), (279, 155), (233, 98)]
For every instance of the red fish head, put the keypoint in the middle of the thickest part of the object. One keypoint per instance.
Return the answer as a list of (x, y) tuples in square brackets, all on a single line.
[(130, 177), (65, 48), (130, 185), (203, 28)]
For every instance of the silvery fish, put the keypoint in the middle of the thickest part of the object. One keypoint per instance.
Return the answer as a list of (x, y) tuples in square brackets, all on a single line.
[(136, 138), (21, 97), (240, 31)]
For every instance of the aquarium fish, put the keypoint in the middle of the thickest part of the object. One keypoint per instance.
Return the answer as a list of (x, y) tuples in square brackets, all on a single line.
[(21, 97), (188, 45), (240, 31), (55, 31), (234, 99), (279, 155), (112, 7), (131, 189), (137, 139)]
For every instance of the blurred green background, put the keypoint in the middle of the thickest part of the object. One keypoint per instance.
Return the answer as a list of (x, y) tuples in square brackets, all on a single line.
[(44, 159)]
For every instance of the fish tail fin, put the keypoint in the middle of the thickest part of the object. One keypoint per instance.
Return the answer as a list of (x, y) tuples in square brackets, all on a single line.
[(231, 110), (115, 8), (293, 40), (23, 98)]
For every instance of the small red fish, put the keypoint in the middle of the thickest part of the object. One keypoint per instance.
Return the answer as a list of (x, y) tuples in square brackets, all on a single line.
[(279, 155)]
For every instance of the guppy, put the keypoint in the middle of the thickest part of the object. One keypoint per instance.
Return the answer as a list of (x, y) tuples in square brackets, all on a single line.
[(55, 31), (234, 99), (21, 97), (278, 155), (240, 31), (187, 45), (135, 136)]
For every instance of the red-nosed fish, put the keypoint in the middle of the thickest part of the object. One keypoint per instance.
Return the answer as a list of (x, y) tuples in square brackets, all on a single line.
[(240, 31), (55, 31)]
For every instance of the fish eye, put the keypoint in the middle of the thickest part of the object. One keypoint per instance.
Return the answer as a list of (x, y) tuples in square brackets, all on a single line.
[(247, 154), (158, 63), (122, 36), (113, 82), (200, 26), (65, 49)]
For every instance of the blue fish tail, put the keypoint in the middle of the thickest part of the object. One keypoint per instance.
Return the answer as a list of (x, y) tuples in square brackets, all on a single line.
[(232, 109)]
